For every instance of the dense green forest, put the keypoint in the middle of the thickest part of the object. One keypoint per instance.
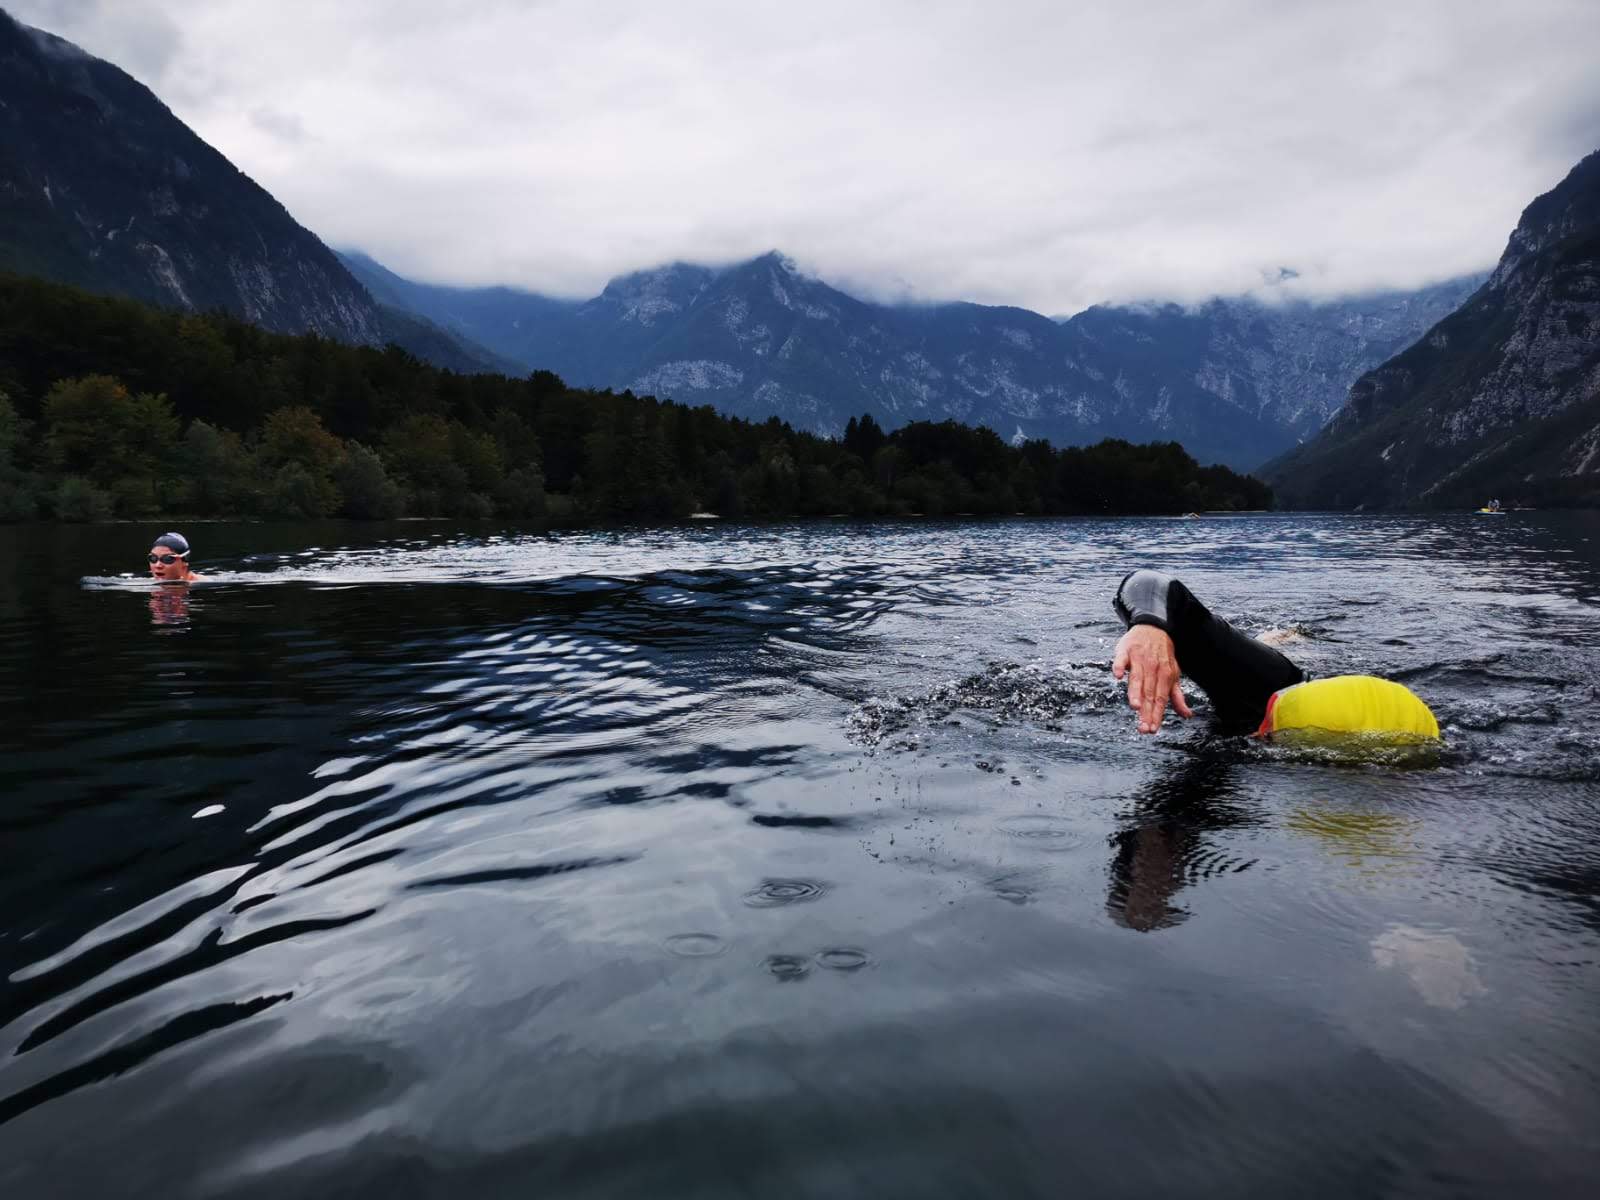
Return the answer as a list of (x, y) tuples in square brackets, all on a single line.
[(111, 408)]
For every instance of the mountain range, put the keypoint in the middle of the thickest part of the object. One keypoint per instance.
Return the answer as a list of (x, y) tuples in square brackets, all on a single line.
[(1236, 381)]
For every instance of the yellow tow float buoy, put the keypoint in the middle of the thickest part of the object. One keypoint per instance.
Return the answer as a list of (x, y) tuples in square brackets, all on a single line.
[(1351, 704)]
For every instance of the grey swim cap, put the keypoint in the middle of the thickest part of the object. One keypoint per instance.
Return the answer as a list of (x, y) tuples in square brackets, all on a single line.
[(173, 541)]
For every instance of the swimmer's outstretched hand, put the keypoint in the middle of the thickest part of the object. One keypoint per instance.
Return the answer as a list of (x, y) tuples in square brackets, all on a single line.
[(1145, 655)]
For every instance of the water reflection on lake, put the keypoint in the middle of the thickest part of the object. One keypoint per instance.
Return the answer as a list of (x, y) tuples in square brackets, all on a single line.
[(817, 860)]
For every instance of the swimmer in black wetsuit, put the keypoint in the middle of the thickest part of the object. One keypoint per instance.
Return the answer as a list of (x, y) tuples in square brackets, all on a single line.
[(1167, 626)]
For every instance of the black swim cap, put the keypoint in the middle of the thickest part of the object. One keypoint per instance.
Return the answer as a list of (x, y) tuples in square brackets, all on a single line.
[(173, 541)]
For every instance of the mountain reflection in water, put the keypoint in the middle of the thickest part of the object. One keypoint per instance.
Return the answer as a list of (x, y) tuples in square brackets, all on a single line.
[(817, 860)]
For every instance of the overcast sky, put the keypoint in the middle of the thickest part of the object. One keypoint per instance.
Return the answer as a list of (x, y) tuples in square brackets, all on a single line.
[(1051, 155)]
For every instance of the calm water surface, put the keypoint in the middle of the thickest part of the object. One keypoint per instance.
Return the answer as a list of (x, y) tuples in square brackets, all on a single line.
[(807, 861)]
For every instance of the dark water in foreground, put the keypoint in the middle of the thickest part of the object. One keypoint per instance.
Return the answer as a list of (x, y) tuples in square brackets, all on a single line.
[(811, 861)]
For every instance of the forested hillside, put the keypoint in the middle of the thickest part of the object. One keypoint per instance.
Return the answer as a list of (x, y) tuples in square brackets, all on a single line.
[(115, 408)]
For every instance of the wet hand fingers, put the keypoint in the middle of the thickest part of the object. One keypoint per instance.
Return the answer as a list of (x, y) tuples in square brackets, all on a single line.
[(1148, 699), (1179, 702), (1154, 709), (1136, 678)]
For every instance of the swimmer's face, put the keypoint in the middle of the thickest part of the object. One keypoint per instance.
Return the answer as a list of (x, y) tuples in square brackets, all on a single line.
[(176, 568)]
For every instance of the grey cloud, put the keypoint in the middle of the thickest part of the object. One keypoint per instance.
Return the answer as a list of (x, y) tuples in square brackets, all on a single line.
[(1570, 126), (287, 126), (138, 35), (1045, 154)]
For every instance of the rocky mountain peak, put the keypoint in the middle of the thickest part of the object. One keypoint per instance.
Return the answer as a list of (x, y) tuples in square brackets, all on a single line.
[(1502, 396), (651, 295), (101, 186), (1570, 208), (776, 261)]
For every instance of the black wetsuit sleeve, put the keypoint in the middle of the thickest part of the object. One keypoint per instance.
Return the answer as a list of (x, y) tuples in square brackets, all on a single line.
[(1237, 673)]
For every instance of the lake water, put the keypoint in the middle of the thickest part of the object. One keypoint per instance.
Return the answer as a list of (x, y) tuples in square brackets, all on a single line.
[(804, 861)]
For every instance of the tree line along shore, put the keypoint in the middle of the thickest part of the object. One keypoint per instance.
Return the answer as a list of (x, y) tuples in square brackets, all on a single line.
[(110, 408)]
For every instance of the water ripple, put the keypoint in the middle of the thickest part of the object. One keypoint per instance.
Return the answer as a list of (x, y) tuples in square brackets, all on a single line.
[(775, 893)]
